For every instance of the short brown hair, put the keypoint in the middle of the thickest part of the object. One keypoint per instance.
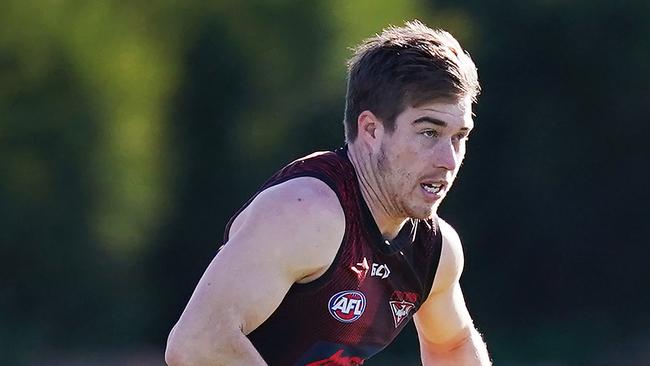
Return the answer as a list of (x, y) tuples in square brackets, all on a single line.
[(404, 66)]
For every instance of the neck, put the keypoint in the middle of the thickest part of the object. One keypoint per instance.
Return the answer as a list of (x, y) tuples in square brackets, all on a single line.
[(374, 193)]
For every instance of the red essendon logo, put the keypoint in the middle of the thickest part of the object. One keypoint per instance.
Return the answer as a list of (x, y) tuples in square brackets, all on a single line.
[(347, 306), (401, 310), (401, 304)]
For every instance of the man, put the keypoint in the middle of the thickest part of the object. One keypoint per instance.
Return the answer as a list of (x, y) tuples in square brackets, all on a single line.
[(333, 256)]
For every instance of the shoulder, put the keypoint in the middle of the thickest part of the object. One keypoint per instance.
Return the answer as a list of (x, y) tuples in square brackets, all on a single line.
[(300, 219), (452, 259), (303, 199)]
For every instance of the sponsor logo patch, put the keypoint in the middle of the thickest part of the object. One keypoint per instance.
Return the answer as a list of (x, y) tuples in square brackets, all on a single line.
[(347, 306), (361, 268), (379, 270)]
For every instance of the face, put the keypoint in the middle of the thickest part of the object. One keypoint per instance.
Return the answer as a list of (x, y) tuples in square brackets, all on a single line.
[(417, 163)]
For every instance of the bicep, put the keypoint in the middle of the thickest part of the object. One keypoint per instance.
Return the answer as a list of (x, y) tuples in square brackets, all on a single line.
[(239, 289), (444, 316), (228, 302), (288, 232)]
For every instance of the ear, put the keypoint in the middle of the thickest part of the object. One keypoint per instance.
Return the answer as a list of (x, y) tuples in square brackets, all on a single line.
[(370, 129)]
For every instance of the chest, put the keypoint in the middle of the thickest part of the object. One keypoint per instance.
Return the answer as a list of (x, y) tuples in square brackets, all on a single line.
[(373, 294), (353, 311)]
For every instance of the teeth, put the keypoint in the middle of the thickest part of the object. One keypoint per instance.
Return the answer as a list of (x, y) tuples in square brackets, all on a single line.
[(432, 187)]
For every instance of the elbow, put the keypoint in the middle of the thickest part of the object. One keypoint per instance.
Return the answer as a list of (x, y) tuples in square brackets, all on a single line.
[(174, 357), (448, 347), (465, 349), (177, 352), (186, 347)]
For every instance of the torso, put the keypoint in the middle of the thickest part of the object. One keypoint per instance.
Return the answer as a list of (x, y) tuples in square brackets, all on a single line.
[(352, 308)]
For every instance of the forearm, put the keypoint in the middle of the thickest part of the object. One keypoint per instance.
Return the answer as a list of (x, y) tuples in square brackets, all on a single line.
[(469, 351), (233, 349)]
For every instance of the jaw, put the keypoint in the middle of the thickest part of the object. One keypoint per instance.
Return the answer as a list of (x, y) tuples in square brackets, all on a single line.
[(418, 207)]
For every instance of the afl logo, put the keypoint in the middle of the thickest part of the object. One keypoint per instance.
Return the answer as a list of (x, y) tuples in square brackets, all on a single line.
[(347, 306)]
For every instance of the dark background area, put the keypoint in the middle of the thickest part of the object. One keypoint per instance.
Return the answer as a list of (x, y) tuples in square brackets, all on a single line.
[(130, 132)]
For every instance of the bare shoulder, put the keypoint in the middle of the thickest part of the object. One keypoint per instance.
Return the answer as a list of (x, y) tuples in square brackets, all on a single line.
[(288, 233), (452, 259), (300, 220)]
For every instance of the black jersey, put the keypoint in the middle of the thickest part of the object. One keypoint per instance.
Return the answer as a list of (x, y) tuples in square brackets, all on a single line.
[(367, 295)]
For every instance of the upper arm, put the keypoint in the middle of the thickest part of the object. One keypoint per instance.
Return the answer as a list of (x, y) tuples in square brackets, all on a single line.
[(289, 231), (443, 319)]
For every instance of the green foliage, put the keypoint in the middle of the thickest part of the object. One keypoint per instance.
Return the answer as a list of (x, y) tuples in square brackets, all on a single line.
[(130, 132)]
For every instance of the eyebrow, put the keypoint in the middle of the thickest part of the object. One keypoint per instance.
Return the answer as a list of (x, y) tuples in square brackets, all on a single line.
[(435, 121)]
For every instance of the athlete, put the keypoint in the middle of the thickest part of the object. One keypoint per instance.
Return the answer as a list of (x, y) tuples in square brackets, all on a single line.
[(336, 252)]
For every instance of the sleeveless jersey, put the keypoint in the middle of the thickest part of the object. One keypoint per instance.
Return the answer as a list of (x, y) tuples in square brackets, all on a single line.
[(367, 295)]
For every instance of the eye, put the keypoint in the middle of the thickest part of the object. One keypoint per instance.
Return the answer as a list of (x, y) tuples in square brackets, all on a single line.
[(460, 136), (430, 133)]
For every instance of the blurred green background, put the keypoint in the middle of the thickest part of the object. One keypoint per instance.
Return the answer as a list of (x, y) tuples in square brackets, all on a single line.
[(131, 131)]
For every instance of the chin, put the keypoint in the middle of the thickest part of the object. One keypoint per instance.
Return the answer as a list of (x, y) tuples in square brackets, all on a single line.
[(423, 213)]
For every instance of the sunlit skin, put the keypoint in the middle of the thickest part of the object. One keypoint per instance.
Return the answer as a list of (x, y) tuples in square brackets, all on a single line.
[(426, 147), (291, 233)]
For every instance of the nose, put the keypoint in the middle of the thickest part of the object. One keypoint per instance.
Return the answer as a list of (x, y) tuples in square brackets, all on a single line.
[(444, 155)]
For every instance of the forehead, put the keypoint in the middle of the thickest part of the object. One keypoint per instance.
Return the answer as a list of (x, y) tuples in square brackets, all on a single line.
[(455, 114)]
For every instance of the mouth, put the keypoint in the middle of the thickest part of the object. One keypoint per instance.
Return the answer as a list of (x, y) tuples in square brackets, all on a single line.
[(435, 188)]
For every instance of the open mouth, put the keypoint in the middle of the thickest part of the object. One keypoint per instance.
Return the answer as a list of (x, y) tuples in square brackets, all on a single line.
[(433, 188)]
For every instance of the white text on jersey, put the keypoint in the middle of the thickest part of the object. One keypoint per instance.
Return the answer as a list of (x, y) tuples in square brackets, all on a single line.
[(379, 270)]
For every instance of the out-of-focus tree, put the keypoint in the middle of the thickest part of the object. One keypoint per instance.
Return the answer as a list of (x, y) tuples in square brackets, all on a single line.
[(555, 179), (83, 178), (130, 132)]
